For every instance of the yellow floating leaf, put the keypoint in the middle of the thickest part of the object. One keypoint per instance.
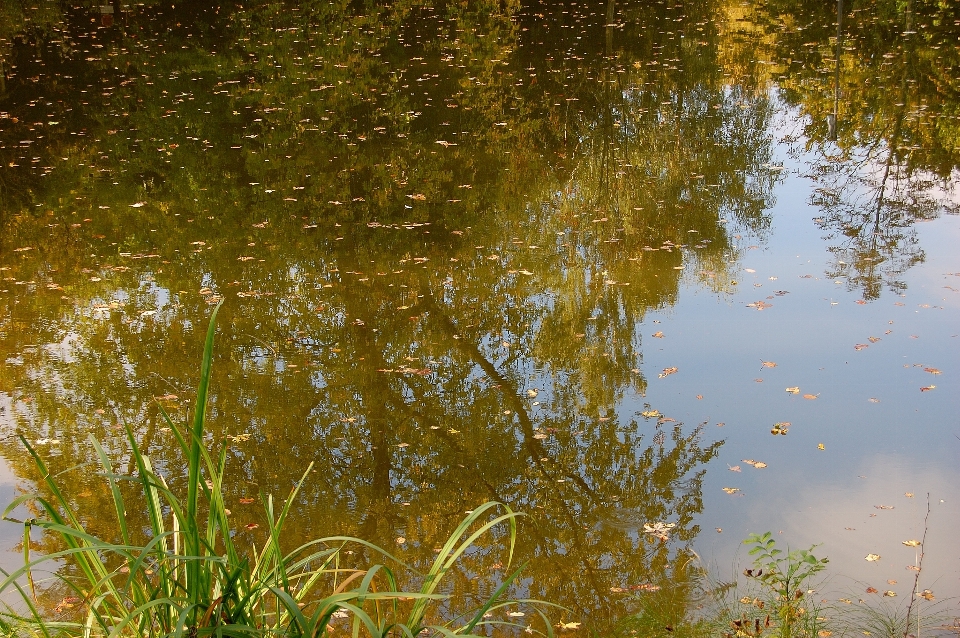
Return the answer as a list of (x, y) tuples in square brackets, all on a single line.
[(912, 543), (794, 390), (731, 490), (872, 557)]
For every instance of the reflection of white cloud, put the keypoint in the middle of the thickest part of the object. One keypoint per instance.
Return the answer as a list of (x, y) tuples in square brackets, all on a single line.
[(821, 513), (819, 509)]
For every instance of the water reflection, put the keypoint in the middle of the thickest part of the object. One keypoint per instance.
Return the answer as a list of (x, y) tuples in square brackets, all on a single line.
[(437, 231)]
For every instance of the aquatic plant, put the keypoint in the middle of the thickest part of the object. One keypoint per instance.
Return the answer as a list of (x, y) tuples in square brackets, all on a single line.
[(190, 578)]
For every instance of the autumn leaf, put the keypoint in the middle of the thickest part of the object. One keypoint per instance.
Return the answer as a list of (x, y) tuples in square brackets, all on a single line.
[(926, 594), (658, 334), (927, 388), (667, 372), (860, 346), (872, 557), (931, 370), (912, 543), (731, 490), (769, 364), (794, 390), (810, 396), (873, 590)]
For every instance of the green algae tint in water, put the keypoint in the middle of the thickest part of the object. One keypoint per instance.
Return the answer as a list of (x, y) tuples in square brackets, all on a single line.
[(565, 256)]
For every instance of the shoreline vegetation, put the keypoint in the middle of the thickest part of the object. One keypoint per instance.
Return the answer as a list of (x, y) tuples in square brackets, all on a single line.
[(187, 576)]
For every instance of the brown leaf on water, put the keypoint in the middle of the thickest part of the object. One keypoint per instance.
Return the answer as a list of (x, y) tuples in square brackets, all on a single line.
[(872, 557), (913, 568), (731, 490), (927, 388), (769, 364), (931, 370), (794, 390), (759, 305), (810, 396), (667, 372), (658, 334), (873, 590), (247, 501), (733, 468), (860, 346), (873, 339), (883, 507), (926, 594), (912, 543), (890, 594)]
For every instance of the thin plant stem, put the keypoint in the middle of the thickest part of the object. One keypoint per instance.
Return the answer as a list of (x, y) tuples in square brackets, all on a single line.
[(916, 579)]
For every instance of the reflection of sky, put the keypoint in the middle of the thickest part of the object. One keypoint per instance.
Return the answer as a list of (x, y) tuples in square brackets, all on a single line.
[(875, 452)]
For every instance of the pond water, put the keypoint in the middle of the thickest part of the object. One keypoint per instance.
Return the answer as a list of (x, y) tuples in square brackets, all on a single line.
[(612, 264)]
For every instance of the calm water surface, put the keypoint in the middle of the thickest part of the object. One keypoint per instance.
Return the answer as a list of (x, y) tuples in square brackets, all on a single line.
[(580, 258)]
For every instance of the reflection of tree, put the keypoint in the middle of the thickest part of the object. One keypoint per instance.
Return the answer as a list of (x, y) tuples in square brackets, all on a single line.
[(884, 133), (373, 324)]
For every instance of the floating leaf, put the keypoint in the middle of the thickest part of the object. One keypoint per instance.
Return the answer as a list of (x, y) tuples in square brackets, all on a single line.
[(667, 372), (872, 557), (731, 490), (912, 543), (794, 390)]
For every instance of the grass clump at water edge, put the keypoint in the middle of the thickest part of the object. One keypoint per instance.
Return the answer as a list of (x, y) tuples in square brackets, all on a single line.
[(190, 579)]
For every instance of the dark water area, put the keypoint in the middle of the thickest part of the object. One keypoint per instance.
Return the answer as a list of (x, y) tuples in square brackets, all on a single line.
[(580, 258)]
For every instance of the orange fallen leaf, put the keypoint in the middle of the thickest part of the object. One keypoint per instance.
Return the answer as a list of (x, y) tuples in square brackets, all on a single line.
[(873, 590), (769, 364), (931, 370), (658, 334), (731, 490), (810, 396), (927, 388), (860, 346), (873, 339), (794, 390), (247, 501), (667, 372)]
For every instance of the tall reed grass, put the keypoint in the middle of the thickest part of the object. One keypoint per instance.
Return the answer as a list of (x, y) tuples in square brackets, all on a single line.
[(189, 578)]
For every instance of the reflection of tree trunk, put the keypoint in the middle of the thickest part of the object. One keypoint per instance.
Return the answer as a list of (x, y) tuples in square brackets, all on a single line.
[(832, 119), (376, 392), (611, 12), (535, 449)]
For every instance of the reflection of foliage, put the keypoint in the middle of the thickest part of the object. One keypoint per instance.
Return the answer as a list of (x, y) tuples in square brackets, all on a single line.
[(418, 214), (878, 99)]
